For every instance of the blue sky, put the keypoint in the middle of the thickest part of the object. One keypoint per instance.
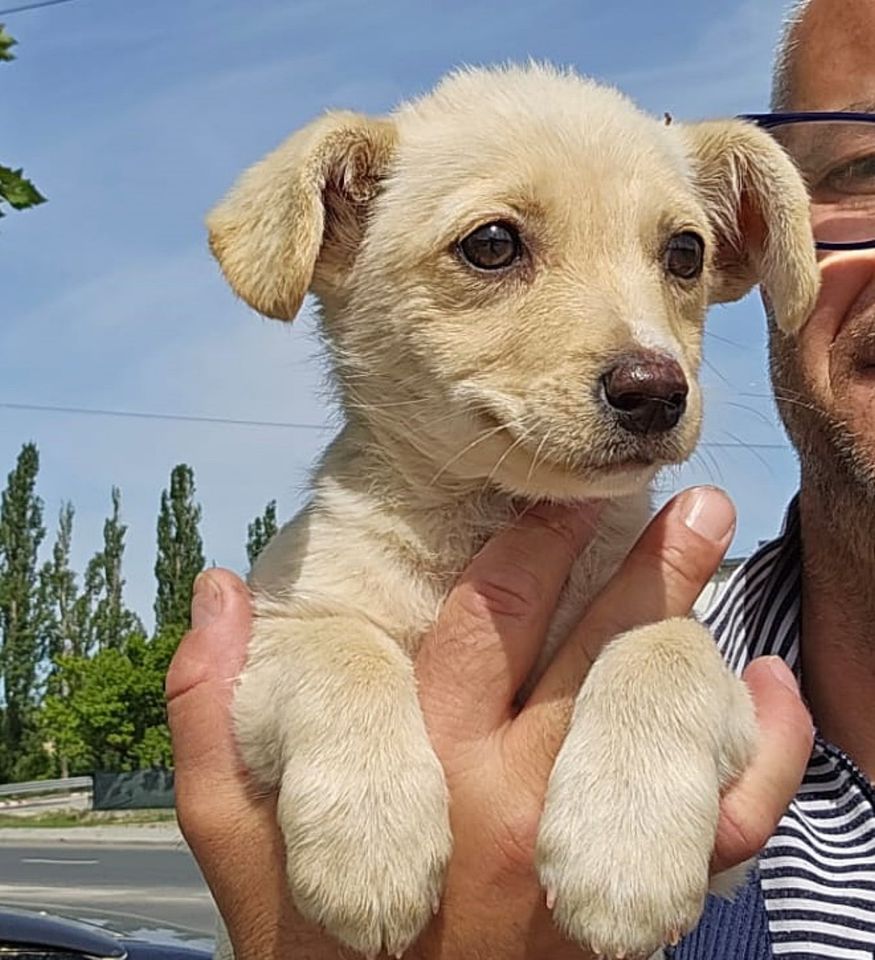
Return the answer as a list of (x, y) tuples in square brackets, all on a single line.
[(135, 117)]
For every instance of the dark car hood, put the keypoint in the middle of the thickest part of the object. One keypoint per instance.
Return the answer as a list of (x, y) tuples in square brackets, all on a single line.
[(91, 931)]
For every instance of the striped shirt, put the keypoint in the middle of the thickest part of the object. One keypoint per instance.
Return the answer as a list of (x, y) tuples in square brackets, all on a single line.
[(818, 870)]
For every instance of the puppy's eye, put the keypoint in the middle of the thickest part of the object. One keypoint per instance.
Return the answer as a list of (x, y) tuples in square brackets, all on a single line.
[(492, 246), (685, 255)]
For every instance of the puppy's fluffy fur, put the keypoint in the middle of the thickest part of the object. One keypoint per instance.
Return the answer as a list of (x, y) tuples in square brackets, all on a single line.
[(465, 391)]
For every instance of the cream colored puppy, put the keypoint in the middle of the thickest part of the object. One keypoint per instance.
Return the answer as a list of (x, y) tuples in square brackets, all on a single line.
[(512, 274)]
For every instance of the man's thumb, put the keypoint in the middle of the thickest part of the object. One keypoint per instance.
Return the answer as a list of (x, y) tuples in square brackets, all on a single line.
[(200, 685)]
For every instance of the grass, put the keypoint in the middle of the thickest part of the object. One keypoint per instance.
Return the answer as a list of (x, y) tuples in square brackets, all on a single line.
[(88, 818)]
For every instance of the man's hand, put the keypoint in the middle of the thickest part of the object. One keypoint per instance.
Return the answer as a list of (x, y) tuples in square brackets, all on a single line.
[(232, 830), (497, 760)]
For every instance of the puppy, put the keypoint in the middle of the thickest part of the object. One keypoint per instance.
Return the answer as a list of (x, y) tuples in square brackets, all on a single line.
[(512, 274)]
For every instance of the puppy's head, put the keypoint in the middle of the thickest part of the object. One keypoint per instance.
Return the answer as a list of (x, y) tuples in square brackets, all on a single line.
[(514, 271)]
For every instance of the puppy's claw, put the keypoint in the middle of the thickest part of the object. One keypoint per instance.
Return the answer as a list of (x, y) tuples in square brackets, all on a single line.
[(551, 898), (436, 904), (674, 937)]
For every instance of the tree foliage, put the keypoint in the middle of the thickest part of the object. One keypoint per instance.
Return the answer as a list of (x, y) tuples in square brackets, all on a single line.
[(111, 621), (260, 532), (81, 681), (21, 532), (15, 189), (112, 716), (58, 598), (180, 551), (6, 45)]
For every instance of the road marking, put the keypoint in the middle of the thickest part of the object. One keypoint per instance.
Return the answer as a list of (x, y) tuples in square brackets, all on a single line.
[(137, 895), (76, 863)]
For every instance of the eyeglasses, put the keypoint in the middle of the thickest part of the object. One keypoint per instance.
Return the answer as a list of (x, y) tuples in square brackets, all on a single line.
[(835, 153)]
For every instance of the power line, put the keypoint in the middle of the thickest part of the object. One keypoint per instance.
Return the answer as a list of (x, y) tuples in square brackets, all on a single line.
[(280, 424), (32, 6), (740, 445), (144, 415)]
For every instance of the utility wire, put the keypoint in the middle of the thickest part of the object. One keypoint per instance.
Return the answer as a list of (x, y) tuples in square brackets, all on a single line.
[(281, 424), (739, 445), (32, 6), (143, 415)]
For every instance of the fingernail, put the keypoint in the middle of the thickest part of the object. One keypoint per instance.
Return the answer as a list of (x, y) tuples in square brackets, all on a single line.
[(709, 512), (206, 601), (783, 674)]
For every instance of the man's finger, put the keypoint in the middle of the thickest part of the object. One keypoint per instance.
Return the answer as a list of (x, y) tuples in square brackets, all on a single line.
[(220, 816), (751, 809), (200, 688), (660, 578), (493, 623)]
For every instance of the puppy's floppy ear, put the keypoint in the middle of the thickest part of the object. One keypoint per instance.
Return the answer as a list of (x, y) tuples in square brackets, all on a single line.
[(759, 212), (304, 203)]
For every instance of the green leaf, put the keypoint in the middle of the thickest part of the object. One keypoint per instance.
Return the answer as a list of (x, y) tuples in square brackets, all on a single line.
[(15, 189), (6, 44), (18, 191)]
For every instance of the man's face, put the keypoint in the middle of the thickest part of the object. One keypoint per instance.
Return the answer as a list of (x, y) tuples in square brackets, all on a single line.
[(825, 379)]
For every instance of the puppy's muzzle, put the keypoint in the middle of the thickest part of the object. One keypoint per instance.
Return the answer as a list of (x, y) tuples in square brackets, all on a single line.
[(646, 392)]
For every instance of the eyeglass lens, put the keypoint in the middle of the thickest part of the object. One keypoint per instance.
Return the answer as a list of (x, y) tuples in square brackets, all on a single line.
[(837, 160)]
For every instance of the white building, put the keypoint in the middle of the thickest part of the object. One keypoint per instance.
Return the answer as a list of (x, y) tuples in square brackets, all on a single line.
[(712, 591)]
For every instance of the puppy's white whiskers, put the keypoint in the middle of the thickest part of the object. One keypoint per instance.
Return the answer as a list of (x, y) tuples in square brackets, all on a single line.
[(747, 409), (368, 405), (467, 449), (497, 466), (709, 464), (750, 449), (535, 456), (795, 399), (716, 372)]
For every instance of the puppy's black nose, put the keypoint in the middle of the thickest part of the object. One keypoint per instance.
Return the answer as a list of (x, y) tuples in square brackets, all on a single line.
[(647, 392)]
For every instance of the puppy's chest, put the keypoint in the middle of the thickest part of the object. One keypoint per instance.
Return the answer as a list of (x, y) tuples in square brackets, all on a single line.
[(396, 573), (618, 527)]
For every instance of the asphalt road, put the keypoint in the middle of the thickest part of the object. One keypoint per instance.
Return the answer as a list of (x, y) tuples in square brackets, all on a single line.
[(158, 883)]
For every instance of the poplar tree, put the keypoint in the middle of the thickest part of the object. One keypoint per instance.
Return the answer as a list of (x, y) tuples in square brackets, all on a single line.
[(180, 551), (62, 627), (260, 532), (112, 624), (21, 532), (60, 620)]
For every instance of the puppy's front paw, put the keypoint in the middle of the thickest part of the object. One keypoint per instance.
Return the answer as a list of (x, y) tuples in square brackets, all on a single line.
[(619, 882), (630, 816), (367, 849)]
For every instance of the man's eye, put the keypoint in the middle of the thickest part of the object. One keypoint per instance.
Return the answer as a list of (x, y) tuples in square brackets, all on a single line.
[(854, 176)]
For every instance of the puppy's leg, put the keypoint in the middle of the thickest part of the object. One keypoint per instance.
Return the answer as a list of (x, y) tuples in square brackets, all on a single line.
[(660, 727), (327, 710)]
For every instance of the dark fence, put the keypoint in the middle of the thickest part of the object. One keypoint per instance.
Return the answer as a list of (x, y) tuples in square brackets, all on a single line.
[(137, 790)]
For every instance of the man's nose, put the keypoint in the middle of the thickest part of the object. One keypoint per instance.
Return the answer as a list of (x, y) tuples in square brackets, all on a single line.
[(646, 392)]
